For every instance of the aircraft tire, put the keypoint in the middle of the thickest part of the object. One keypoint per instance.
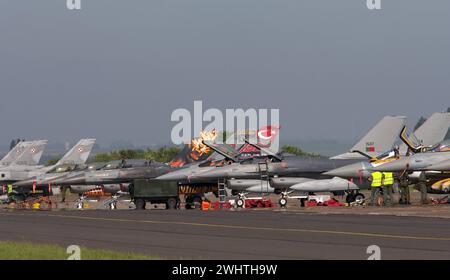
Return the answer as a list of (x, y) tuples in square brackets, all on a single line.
[(240, 203), (282, 202), (140, 204), (359, 197), (171, 203)]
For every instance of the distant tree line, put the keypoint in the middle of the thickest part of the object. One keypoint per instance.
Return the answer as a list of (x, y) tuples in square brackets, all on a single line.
[(297, 151), (163, 154)]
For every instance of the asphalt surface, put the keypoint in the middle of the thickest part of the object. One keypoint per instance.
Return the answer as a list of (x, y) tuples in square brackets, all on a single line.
[(257, 234)]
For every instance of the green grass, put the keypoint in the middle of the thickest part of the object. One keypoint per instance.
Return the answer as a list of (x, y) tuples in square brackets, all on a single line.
[(32, 251)]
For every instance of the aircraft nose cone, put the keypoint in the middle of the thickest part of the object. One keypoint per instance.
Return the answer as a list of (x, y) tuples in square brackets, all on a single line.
[(394, 166), (348, 171)]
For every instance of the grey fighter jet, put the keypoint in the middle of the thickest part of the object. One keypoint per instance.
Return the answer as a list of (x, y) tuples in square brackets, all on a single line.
[(286, 173), (225, 154), (430, 134), (39, 177), (114, 176), (24, 156)]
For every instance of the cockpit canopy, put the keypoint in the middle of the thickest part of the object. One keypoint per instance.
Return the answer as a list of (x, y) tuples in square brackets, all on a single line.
[(387, 155), (441, 147), (65, 168), (118, 164)]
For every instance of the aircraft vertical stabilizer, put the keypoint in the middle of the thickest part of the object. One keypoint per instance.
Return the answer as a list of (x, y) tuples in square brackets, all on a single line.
[(378, 140)]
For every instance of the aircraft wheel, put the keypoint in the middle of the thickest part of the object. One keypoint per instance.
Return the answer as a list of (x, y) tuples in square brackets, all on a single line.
[(171, 203), (79, 205), (359, 198), (140, 204), (240, 203), (282, 202)]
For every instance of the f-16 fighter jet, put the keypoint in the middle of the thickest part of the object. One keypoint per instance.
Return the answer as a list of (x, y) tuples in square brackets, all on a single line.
[(39, 177), (287, 173), (430, 155)]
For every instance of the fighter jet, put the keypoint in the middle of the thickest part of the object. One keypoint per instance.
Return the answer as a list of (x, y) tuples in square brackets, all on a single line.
[(431, 134), (39, 177), (114, 176), (425, 155), (286, 173), (225, 154), (24, 156), (27, 156)]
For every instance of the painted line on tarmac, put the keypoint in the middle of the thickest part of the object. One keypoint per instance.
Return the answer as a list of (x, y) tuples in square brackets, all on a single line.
[(344, 233)]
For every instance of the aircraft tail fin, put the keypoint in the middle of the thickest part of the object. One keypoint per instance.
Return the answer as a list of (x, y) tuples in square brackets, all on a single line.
[(11, 156), (79, 153), (431, 132), (32, 153), (378, 140), (266, 141)]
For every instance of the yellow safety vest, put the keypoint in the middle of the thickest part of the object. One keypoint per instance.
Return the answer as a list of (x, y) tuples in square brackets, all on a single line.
[(388, 178), (9, 188), (376, 179)]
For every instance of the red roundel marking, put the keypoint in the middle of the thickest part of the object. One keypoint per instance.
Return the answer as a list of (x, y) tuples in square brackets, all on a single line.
[(267, 132)]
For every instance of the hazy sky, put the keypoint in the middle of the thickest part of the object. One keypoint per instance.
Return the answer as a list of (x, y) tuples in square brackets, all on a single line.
[(117, 69)]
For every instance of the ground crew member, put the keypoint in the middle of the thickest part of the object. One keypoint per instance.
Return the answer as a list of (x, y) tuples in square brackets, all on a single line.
[(422, 185), (388, 182), (205, 204), (404, 189), (10, 188), (63, 193), (376, 178)]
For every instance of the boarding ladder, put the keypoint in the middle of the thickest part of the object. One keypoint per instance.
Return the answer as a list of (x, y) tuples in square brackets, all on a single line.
[(222, 192)]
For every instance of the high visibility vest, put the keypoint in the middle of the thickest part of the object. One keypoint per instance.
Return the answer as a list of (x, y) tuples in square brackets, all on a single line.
[(9, 188), (376, 179), (388, 178)]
